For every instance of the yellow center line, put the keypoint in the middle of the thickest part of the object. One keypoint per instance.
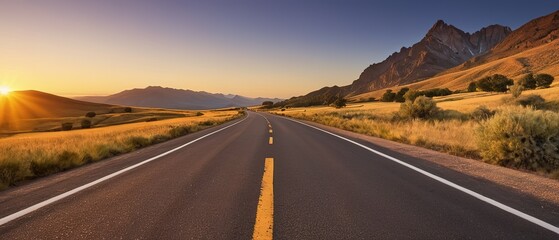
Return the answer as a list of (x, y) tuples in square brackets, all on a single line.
[(271, 141), (270, 130), (264, 225)]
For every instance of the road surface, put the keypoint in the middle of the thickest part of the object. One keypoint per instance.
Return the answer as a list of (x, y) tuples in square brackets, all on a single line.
[(265, 177)]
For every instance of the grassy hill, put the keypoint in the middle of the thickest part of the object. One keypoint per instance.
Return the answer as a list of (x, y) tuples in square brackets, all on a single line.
[(27, 111), (542, 59)]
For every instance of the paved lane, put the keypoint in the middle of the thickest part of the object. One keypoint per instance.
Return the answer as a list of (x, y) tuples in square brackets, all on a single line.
[(317, 186)]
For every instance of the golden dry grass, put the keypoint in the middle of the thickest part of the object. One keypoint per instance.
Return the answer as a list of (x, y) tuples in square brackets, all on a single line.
[(453, 133), (36, 154), (113, 116), (450, 136)]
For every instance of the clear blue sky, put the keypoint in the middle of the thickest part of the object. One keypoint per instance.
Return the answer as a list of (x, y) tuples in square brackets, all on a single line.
[(253, 48)]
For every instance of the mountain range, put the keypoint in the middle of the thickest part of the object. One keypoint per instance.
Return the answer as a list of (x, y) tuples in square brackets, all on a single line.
[(443, 50), (161, 97)]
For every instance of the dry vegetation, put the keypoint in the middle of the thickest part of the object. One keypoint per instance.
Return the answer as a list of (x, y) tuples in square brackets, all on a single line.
[(31, 155), (455, 128)]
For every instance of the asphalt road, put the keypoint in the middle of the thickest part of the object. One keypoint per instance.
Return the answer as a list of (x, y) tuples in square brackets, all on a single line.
[(314, 186)]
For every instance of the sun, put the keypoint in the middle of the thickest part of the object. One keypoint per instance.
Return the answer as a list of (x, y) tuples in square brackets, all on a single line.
[(4, 90)]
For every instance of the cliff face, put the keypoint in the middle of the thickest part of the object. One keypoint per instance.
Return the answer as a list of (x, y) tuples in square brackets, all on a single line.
[(443, 47), (535, 33)]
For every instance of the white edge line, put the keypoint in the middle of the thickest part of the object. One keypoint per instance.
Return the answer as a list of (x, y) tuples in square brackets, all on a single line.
[(497, 204), (44, 203)]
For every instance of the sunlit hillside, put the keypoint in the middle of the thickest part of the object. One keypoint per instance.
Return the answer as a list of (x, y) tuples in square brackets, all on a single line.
[(24, 111), (542, 59)]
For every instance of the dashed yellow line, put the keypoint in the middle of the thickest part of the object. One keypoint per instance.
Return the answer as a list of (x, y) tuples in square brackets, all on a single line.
[(264, 225), (270, 130), (271, 141)]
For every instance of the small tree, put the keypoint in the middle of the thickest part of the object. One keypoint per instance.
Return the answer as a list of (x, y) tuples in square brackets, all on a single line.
[(422, 107), (340, 102), (400, 95), (411, 95), (482, 113), (86, 123), (91, 114), (128, 109), (528, 81), (544, 80), (495, 83), (472, 87), (67, 126), (388, 96), (484, 85)]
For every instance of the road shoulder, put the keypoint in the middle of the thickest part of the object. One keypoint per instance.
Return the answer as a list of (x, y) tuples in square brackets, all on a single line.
[(539, 187)]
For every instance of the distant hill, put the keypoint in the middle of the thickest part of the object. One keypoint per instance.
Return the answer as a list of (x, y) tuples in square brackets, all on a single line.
[(35, 104), (443, 47), (160, 97), (20, 106)]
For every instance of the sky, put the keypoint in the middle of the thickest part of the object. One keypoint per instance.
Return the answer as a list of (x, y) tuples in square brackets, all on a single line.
[(252, 48)]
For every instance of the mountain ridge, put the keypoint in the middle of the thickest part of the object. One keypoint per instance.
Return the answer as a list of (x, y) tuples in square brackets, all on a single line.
[(164, 97), (443, 47)]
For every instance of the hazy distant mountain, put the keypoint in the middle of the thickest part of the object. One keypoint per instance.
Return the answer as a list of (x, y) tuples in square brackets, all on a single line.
[(443, 47), (160, 97)]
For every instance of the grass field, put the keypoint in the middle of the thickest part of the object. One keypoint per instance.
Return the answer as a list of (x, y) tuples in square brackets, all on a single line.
[(114, 116), (31, 155), (34, 111), (453, 131)]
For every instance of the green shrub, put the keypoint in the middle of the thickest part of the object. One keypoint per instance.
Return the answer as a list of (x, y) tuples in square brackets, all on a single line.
[(532, 100), (198, 114), (128, 109), (340, 102), (86, 123), (388, 96), (543, 80), (411, 95), (521, 138), (494, 83), (67, 126), (472, 87), (528, 81), (91, 114), (400, 95), (422, 107), (435, 92), (482, 113)]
